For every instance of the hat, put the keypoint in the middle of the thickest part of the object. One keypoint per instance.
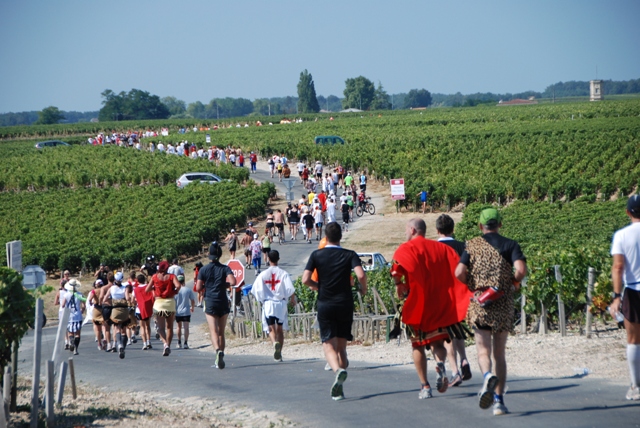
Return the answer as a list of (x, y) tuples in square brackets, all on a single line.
[(72, 284), (119, 276), (633, 204), (98, 282), (214, 251), (255, 236), (66, 272), (489, 214), (233, 231), (180, 278), (250, 223), (163, 266)]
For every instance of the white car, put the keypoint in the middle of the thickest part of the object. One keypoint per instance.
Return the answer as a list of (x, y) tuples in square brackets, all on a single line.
[(373, 261), (203, 177)]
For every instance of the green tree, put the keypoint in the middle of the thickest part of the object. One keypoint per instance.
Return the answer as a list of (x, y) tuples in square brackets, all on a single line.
[(264, 107), (358, 93), (417, 98), (175, 106), (134, 105), (380, 99), (49, 116), (16, 311), (307, 100), (196, 110)]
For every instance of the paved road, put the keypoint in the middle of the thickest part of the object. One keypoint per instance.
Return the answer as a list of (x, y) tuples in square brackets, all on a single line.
[(377, 395)]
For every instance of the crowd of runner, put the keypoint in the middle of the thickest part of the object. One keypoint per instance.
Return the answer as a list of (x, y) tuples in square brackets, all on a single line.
[(440, 284)]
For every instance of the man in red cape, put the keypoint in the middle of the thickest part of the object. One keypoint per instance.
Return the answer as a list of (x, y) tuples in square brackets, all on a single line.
[(423, 271)]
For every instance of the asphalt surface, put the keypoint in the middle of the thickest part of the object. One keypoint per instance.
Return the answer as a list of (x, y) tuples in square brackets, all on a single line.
[(376, 395)]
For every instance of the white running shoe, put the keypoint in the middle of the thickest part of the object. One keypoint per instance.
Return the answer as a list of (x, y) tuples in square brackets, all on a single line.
[(425, 393)]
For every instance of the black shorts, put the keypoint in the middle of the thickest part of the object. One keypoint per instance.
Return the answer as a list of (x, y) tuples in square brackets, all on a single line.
[(363, 187), (185, 318), (217, 308), (335, 321), (273, 321), (631, 305), (300, 173), (345, 217), (266, 250), (340, 177), (269, 225), (280, 226)]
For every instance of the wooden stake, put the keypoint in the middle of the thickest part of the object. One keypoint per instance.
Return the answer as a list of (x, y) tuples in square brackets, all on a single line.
[(51, 416), (35, 384), (6, 390), (61, 380), (590, 284), (72, 378)]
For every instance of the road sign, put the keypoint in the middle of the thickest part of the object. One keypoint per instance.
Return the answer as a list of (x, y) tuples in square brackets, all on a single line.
[(397, 189), (14, 255), (289, 196), (208, 138), (238, 270), (289, 182), (33, 277)]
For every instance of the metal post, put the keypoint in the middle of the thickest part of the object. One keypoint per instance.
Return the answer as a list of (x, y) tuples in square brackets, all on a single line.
[(590, 285), (72, 377), (6, 391), (61, 380), (62, 331), (51, 416), (543, 319), (14, 374), (35, 384), (562, 322), (523, 302)]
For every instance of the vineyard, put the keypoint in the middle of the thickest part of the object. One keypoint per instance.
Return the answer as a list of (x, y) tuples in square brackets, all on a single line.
[(26, 168), (76, 229)]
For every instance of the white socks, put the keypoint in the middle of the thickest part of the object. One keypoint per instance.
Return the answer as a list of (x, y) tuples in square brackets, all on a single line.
[(633, 357)]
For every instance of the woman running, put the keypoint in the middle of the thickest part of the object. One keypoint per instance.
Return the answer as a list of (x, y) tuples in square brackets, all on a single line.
[(164, 287), (96, 313), (144, 310), (74, 301), (196, 269), (118, 297)]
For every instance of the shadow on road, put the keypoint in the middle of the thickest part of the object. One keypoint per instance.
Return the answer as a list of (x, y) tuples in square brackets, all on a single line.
[(578, 409)]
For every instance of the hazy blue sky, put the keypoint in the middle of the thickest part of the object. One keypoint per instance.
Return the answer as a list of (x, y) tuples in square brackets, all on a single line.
[(66, 52)]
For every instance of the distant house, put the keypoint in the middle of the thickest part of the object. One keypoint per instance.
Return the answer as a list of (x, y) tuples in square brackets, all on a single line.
[(417, 108), (351, 110), (517, 102)]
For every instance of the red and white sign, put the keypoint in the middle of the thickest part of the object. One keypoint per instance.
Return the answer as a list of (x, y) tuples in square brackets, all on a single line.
[(397, 189), (238, 271)]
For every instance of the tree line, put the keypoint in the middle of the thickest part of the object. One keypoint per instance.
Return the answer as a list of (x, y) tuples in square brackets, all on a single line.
[(360, 93)]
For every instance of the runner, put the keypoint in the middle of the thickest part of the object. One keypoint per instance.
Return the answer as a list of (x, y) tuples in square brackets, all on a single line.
[(423, 273), (132, 283), (272, 288), (305, 176), (487, 267), (344, 208), (256, 253), (625, 275), (215, 278), (331, 210), (423, 198), (232, 243), (318, 171), (318, 219), (196, 269), (300, 166), (335, 300), (165, 287), (279, 168), (272, 166), (270, 224), (93, 299), (363, 182), (308, 221), (347, 182), (117, 299), (294, 221), (144, 310), (278, 219), (73, 300), (286, 171), (253, 158), (340, 175), (455, 348), (266, 245), (185, 305), (245, 241)]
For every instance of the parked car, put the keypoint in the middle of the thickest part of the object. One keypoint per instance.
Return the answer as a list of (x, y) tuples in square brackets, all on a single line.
[(328, 139), (373, 261), (51, 143), (202, 177)]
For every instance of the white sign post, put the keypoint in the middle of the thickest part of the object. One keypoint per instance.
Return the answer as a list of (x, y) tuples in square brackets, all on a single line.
[(397, 190), (14, 255)]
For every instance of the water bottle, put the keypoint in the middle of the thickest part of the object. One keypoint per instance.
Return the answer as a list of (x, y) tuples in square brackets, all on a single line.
[(619, 318)]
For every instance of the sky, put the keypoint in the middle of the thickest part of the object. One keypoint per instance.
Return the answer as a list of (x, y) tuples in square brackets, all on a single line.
[(65, 53)]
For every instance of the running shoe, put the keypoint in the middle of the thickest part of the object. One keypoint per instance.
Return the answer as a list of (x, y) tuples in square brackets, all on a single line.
[(149, 346), (499, 409), (75, 352), (108, 349), (633, 394), (157, 335), (485, 396), (134, 339), (121, 352), (166, 351), (466, 370), (186, 345), (456, 380), (327, 367), (442, 382), (71, 347), (66, 346), (179, 345), (336, 389), (145, 347), (425, 393), (220, 360), (277, 354), (129, 342)]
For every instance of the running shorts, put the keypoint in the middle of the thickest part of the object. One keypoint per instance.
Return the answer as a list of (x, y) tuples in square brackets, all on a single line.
[(345, 217), (266, 250), (280, 226), (273, 321), (335, 321), (421, 338), (319, 225), (217, 308), (185, 318), (631, 305)]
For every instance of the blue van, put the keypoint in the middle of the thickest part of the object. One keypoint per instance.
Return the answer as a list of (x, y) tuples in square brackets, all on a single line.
[(328, 139)]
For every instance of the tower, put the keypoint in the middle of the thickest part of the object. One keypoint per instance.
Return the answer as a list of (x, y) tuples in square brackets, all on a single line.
[(595, 90)]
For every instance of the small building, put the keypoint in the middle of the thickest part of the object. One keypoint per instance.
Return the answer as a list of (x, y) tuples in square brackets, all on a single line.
[(596, 90), (517, 102)]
